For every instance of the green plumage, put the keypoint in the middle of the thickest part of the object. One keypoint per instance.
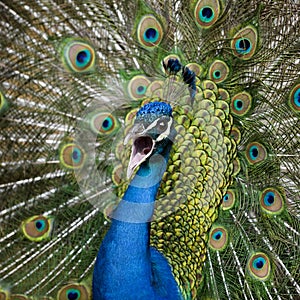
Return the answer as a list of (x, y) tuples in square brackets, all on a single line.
[(73, 75)]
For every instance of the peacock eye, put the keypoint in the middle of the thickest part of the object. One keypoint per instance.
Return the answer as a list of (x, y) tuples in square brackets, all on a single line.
[(78, 55), (37, 228), (74, 291), (162, 126), (244, 43)]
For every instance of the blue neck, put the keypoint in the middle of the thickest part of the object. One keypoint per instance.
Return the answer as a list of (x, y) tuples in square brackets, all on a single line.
[(138, 201), (124, 267)]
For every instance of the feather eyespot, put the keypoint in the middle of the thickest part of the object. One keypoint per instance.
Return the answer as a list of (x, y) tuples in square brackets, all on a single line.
[(240, 104), (244, 43), (103, 123), (149, 32), (37, 228), (73, 291), (218, 71), (259, 266), (78, 56), (294, 98), (207, 12), (255, 153), (137, 87), (72, 156), (218, 238), (228, 200), (272, 201)]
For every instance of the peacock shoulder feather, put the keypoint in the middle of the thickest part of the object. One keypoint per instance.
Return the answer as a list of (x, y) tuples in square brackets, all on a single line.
[(83, 82)]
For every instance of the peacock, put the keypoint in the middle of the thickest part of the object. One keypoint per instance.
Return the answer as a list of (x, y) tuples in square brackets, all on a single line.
[(150, 149)]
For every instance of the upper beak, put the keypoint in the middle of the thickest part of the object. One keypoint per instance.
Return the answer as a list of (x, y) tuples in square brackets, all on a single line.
[(142, 147)]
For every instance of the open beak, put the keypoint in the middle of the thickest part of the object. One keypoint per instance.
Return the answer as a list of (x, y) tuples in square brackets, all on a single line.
[(142, 148)]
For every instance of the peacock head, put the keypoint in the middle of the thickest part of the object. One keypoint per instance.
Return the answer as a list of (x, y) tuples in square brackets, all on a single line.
[(152, 133)]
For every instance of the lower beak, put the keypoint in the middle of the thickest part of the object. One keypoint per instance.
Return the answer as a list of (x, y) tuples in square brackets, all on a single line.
[(142, 148)]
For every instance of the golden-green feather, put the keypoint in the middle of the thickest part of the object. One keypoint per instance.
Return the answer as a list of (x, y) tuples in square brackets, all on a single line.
[(73, 75)]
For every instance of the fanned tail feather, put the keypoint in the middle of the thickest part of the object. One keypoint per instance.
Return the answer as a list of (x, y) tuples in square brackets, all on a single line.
[(74, 73)]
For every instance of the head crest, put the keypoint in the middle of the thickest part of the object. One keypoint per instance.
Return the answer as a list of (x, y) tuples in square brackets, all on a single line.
[(154, 108)]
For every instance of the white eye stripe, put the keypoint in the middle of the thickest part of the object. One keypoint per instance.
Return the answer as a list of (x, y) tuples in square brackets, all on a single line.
[(154, 124)]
